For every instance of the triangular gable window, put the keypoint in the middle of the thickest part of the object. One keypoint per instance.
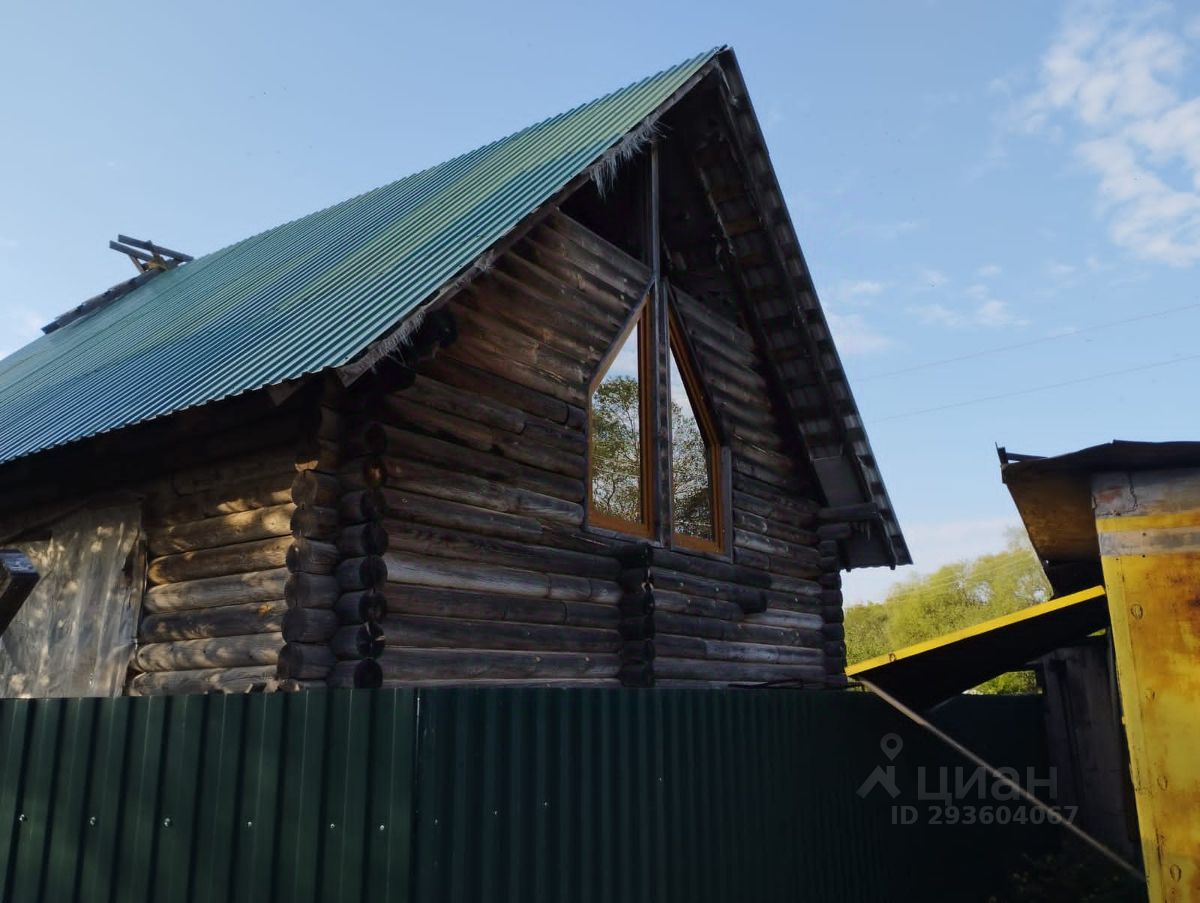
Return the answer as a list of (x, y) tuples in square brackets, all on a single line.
[(695, 457), (622, 475), (619, 474)]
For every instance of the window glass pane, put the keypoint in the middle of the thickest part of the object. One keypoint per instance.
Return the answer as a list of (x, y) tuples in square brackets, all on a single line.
[(691, 463), (617, 436)]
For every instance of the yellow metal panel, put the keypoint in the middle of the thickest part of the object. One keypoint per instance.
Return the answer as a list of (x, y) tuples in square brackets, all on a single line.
[(1148, 525), (1024, 614)]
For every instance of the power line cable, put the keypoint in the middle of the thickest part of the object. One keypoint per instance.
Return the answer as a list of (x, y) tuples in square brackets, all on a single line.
[(1001, 569), (1026, 344), (1019, 392)]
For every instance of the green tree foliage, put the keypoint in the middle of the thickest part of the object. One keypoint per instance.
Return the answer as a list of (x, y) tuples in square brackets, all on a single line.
[(691, 492), (617, 459), (955, 596), (617, 448)]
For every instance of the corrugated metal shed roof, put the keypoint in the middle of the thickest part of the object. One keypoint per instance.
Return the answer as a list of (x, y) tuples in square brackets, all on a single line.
[(305, 296), (929, 672)]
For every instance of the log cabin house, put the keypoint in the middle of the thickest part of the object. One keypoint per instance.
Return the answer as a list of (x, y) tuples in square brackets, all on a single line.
[(564, 410)]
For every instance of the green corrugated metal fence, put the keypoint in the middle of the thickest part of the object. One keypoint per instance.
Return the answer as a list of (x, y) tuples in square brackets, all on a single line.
[(488, 794)]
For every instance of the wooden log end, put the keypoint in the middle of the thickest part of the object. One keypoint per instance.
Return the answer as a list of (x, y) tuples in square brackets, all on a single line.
[(833, 631), (305, 661), (636, 674), (369, 641), (315, 523), (833, 614), (310, 591), (368, 675), (368, 572), (362, 505), (361, 606), (309, 625), (370, 538), (316, 489)]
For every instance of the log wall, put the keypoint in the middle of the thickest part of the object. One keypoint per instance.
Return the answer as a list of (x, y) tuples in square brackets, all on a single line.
[(466, 553), (428, 524), (218, 541)]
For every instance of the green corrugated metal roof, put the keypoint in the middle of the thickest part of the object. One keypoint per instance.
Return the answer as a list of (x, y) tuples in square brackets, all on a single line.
[(308, 295)]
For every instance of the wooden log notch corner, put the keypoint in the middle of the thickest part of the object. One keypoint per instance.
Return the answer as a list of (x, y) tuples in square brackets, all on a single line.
[(637, 616), (312, 560), (835, 526), (354, 634), (645, 566)]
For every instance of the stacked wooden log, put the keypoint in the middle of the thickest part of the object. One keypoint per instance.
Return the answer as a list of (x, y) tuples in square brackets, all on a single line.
[(428, 524), (465, 556), (314, 556), (474, 463), (835, 526), (784, 568), (218, 537)]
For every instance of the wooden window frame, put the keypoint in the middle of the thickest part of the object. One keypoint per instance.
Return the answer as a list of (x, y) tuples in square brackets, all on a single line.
[(640, 318), (678, 348)]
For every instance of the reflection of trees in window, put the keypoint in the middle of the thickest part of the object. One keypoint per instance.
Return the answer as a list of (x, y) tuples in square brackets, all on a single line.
[(691, 482), (620, 459), (617, 449), (617, 460), (693, 448), (619, 437)]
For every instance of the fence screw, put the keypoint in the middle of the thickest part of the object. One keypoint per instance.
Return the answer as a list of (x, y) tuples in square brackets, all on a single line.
[(167, 822), (21, 817), (92, 821)]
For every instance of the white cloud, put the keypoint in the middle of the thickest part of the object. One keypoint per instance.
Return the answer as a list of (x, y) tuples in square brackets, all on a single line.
[(1118, 78), (989, 271), (853, 292), (863, 287), (931, 278), (937, 315), (933, 545), (983, 312), (853, 336), (994, 313), (1060, 270), (851, 332)]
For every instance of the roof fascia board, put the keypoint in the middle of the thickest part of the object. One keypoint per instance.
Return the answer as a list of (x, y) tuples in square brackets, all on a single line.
[(734, 95)]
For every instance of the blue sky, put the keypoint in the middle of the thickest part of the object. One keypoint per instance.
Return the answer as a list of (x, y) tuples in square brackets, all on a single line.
[(963, 176)]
